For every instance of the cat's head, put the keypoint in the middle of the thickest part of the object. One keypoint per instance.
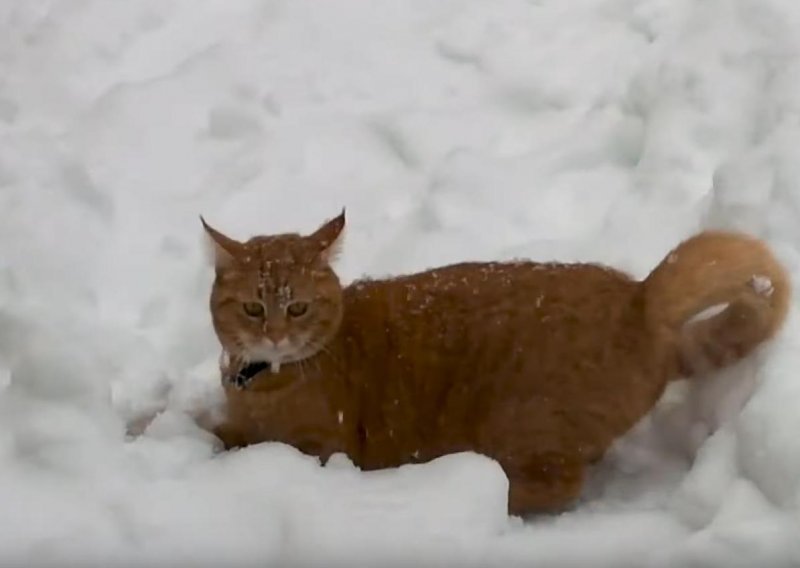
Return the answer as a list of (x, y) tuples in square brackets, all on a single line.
[(276, 298)]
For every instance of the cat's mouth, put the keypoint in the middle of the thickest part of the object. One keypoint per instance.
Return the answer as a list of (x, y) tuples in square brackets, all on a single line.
[(266, 355), (273, 353), (282, 352)]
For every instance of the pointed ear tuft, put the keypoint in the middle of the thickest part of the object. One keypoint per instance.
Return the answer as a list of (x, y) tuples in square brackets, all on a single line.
[(224, 249), (328, 238)]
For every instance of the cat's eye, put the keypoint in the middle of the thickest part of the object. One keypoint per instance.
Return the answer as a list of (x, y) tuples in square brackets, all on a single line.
[(253, 309), (297, 309)]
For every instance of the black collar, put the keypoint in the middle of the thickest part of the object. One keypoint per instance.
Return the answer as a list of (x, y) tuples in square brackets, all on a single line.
[(248, 373)]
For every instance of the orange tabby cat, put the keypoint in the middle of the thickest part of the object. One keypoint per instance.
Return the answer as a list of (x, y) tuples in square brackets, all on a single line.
[(540, 366)]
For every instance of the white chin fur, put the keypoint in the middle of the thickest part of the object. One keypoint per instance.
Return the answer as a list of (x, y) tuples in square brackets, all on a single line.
[(273, 353)]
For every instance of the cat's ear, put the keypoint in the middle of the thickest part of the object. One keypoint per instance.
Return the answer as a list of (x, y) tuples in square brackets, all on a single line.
[(224, 249), (328, 238)]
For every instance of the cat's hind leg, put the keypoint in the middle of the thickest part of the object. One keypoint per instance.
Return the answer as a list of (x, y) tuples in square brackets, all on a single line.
[(539, 452), (544, 483)]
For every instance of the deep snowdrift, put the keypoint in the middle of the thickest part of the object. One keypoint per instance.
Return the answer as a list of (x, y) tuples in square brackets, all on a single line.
[(457, 129)]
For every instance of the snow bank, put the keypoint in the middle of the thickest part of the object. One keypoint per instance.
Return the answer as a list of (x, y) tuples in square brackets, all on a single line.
[(460, 129)]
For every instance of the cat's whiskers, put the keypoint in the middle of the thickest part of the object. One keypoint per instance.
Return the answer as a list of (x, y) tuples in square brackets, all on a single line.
[(301, 364), (321, 349)]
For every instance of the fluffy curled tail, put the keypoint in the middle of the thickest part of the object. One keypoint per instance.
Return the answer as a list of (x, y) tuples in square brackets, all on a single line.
[(717, 269)]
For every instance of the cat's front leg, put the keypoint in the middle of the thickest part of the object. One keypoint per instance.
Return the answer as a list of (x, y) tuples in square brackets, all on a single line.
[(230, 435), (219, 424)]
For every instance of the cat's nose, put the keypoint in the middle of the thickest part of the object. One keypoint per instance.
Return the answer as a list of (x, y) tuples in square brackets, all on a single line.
[(274, 338), (274, 332)]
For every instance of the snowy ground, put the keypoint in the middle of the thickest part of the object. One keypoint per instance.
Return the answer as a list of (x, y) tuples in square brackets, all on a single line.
[(451, 130)]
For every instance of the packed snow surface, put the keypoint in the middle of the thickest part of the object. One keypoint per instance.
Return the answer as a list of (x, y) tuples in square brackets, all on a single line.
[(600, 130)]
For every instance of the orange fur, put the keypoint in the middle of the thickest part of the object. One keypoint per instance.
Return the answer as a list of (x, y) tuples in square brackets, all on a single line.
[(714, 268), (540, 366)]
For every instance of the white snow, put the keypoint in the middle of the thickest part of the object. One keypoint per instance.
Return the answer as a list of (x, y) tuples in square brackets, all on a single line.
[(762, 285), (604, 130)]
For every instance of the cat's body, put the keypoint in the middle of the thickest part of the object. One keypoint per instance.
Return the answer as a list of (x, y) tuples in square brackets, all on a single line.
[(540, 366)]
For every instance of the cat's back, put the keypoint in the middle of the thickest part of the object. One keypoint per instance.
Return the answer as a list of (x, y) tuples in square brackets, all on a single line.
[(489, 309), (478, 289)]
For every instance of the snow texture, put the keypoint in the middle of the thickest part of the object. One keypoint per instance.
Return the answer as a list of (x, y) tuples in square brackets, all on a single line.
[(601, 130)]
